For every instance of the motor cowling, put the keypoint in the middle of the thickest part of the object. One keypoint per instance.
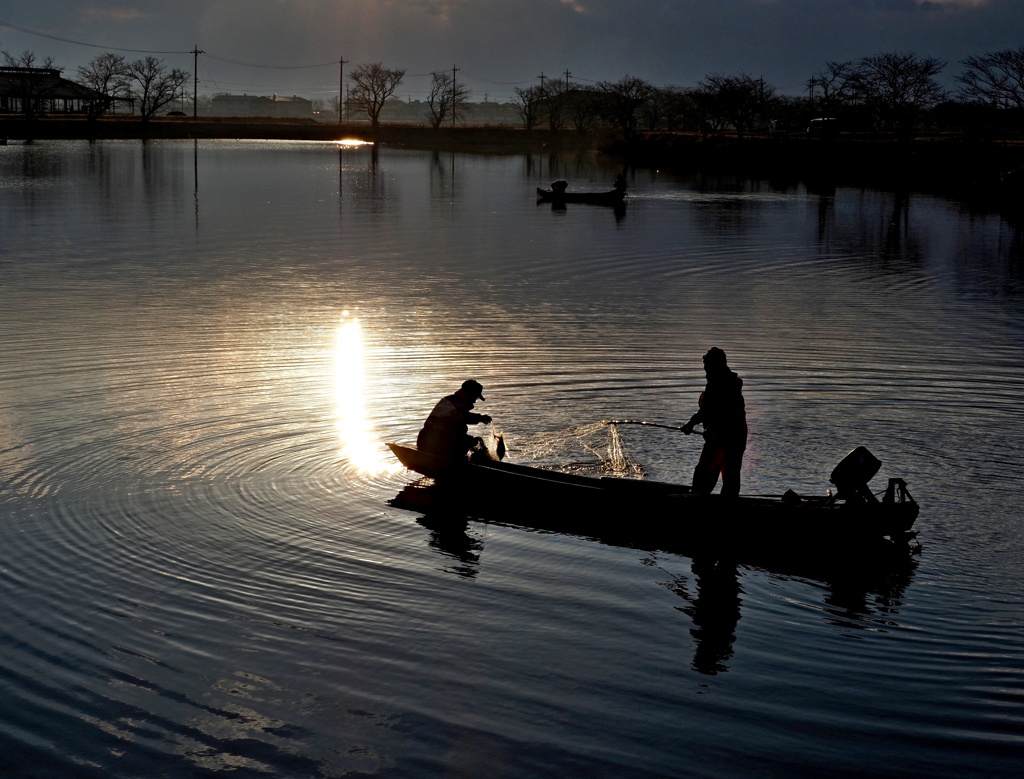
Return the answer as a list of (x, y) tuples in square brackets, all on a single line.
[(852, 475)]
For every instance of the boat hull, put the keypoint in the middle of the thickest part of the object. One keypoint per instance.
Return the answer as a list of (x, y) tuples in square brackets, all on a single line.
[(614, 197), (646, 514)]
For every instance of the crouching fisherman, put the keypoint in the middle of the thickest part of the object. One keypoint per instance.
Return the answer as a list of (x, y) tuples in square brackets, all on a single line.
[(446, 431)]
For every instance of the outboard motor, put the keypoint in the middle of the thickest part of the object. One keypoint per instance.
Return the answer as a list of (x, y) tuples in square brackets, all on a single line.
[(852, 475)]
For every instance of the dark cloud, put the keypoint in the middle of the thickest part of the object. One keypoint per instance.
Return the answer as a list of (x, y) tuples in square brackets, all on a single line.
[(499, 44)]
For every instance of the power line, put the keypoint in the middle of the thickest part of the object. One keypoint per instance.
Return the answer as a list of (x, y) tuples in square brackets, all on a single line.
[(26, 30), (227, 60)]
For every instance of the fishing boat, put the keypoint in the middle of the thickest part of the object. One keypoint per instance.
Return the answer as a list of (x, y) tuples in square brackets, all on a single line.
[(653, 514), (559, 194), (612, 197)]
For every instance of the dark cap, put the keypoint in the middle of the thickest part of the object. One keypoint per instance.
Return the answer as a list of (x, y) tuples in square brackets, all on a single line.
[(714, 356), (474, 389)]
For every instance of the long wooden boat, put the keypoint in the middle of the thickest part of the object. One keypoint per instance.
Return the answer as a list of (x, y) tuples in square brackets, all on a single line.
[(613, 197), (653, 514)]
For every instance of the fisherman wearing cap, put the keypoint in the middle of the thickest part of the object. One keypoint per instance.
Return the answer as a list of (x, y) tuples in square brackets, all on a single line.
[(445, 432), (723, 415)]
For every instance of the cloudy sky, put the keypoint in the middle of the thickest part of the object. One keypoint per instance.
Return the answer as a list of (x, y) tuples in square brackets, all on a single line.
[(294, 46)]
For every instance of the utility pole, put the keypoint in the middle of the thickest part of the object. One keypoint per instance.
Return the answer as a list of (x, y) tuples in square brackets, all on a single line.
[(454, 71), (541, 77), (341, 88), (195, 80), (567, 74)]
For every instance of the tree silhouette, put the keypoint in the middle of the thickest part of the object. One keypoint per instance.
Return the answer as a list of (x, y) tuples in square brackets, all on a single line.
[(152, 86), (733, 100), (834, 86), (621, 100), (898, 86), (527, 102), (107, 74), (373, 84), (996, 78), (447, 98)]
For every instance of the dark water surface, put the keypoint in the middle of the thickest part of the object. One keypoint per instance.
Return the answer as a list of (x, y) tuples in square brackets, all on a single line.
[(203, 347)]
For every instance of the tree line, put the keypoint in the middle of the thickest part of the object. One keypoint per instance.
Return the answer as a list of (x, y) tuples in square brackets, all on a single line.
[(892, 91)]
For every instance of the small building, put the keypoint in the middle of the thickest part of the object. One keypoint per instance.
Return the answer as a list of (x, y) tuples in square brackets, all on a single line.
[(253, 105), (34, 91)]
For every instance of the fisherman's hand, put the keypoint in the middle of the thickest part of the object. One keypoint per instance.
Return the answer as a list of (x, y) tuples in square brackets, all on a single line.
[(688, 428), (484, 419)]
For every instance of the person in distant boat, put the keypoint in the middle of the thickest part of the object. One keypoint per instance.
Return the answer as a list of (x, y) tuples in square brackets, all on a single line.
[(723, 414), (620, 183), (446, 431)]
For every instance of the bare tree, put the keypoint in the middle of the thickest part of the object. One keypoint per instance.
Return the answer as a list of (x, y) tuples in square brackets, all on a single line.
[(32, 88), (109, 75), (679, 106), (833, 86), (734, 100), (554, 103), (528, 105), (372, 85), (996, 78), (27, 59), (898, 86), (656, 109), (447, 99), (152, 86), (580, 106), (621, 101)]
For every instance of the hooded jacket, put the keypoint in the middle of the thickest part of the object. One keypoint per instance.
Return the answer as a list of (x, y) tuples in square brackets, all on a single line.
[(722, 409)]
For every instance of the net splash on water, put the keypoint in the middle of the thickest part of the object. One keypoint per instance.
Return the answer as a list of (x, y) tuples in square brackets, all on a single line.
[(595, 448)]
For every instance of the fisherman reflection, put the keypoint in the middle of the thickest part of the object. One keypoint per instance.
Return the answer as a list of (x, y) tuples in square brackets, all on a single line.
[(723, 415), (449, 528), (446, 431), (714, 611), (449, 535)]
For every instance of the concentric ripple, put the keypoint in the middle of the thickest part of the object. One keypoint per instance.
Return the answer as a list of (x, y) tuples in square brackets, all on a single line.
[(199, 567)]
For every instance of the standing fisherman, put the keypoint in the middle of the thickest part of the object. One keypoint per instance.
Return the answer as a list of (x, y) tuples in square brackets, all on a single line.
[(722, 412)]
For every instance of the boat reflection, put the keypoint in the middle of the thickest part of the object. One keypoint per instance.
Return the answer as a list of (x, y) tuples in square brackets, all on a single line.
[(858, 594), (861, 588), (360, 447)]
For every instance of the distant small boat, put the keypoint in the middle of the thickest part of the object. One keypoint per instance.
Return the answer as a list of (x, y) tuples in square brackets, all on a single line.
[(559, 194)]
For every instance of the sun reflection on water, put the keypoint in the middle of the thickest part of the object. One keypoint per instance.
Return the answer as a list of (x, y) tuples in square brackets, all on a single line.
[(360, 446)]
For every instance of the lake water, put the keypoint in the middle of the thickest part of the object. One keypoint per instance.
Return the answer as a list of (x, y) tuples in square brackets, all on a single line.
[(203, 347)]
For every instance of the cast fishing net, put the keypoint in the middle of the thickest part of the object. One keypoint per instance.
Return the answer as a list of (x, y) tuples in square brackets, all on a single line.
[(595, 448)]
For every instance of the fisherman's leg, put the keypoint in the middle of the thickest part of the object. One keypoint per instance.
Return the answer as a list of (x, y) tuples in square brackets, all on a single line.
[(732, 462), (705, 475)]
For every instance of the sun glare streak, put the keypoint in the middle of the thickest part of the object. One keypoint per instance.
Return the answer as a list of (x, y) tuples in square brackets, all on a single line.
[(359, 445)]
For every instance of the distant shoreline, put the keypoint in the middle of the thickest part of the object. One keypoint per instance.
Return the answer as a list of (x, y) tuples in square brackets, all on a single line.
[(985, 170)]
